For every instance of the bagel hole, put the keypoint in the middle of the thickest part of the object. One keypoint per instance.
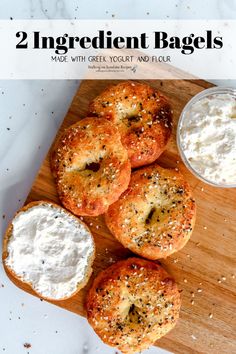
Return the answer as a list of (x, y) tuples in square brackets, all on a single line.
[(150, 215), (93, 166), (132, 119), (132, 309), (134, 315)]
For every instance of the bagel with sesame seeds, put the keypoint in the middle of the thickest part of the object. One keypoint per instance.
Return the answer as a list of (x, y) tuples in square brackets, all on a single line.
[(143, 116), (132, 304), (155, 216), (90, 166)]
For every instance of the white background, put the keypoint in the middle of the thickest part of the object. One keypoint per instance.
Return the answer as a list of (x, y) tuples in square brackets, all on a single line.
[(30, 114), (32, 63)]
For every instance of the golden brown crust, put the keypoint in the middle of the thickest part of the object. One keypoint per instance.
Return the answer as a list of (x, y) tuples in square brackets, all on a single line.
[(7, 237), (155, 216), (91, 166), (142, 115), (133, 303)]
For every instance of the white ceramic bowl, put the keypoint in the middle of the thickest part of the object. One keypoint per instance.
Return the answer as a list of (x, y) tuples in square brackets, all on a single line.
[(205, 93)]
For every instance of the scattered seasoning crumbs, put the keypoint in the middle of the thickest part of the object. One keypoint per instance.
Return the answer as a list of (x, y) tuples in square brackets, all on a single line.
[(85, 348), (185, 280), (27, 345), (193, 337)]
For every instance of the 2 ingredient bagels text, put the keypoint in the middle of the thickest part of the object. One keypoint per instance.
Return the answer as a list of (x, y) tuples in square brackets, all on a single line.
[(106, 40)]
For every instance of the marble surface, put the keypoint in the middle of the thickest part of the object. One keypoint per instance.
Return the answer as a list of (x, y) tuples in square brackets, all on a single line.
[(31, 112)]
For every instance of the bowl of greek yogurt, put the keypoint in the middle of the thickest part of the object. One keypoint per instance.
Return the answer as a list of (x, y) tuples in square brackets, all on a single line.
[(206, 136)]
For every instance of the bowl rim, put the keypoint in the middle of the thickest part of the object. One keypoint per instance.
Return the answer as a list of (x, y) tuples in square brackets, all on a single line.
[(202, 94)]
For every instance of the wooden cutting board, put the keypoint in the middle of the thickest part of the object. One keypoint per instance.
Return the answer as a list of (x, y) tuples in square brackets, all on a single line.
[(204, 269)]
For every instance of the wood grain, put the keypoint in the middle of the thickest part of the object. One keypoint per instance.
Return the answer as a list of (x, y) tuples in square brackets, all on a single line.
[(208, 256)]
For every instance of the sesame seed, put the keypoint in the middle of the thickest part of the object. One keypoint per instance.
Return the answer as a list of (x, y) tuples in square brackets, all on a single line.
[(210, 315), (192, 302), (199, 290)]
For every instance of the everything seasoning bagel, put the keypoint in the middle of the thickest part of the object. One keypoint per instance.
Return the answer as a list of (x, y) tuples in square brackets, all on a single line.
[(155, 216), (133, 303), (91, 166), (143, 116)]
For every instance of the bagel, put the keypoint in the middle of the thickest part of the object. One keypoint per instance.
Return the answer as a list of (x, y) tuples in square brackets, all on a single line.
[(142, 115), (49, 249), (155, 216), (133, 303), (91, 166)]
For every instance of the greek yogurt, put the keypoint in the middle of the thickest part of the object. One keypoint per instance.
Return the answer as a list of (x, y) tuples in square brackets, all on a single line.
[(207, 137)]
